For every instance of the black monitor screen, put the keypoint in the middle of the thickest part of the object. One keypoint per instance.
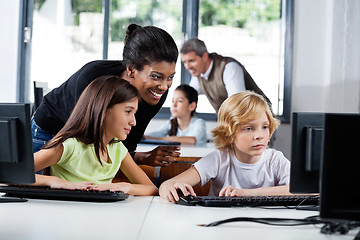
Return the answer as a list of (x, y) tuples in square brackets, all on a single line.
[(306, 148), (340, 191), (16, 151)]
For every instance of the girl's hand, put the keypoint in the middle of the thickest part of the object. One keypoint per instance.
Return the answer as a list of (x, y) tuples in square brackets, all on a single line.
[(63, 184), (231, 191), (169, 191), (113, 187)]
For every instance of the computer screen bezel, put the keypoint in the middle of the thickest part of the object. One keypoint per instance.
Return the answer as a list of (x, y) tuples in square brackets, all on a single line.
[(21, 171), (340, 166), (303, 180)]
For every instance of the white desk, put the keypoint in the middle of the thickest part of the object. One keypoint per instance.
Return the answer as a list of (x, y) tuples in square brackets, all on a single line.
[(62, 220), (176, 222), (144, 218)]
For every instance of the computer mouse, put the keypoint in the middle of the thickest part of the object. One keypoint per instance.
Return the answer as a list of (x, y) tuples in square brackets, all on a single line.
[(188, 200)]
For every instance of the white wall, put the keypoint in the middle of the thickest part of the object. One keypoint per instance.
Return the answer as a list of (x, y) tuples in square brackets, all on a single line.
[(326, 75), (326, 56), (9, 25), (345, 71)]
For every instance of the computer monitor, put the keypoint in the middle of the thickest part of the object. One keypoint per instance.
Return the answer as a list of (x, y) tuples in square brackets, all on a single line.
[(16, 151), (339, 187), (307, 130)]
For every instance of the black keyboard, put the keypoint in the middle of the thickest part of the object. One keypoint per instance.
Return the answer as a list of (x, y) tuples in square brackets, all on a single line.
[(62, 194), (250, 201)]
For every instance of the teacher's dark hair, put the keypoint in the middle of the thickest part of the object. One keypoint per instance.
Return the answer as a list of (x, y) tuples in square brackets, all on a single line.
[(145, 45)]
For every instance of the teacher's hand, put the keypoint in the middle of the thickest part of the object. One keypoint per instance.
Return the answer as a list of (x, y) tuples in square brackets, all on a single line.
[(159, 156)]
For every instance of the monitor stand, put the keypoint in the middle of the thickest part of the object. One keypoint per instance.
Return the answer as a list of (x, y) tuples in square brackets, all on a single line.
[(4, 199), (308, 208), (357, 235)]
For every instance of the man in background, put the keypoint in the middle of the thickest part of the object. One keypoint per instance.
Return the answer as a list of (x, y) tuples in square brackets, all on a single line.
[(216, 76)]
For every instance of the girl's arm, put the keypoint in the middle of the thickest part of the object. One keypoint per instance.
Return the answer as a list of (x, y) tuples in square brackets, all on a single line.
[(140, 182), (184, 181), (46, 158), (265, 191), (55, 182)]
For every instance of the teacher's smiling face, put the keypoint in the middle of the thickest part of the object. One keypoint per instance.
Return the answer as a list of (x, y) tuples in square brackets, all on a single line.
[(153, 81)]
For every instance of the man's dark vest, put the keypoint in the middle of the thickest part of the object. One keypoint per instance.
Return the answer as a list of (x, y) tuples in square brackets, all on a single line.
[(214, 87)]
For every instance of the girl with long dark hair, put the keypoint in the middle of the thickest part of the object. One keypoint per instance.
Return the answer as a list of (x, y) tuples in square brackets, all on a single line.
[(87, 152)]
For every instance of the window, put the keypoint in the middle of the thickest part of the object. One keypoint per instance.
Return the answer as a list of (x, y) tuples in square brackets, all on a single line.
[(163, 14), (67, 34), (251, 32)]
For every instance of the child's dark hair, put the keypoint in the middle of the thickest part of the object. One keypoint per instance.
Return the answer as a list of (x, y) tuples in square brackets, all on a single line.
[(192, 96), (145, 45), (87, 120)]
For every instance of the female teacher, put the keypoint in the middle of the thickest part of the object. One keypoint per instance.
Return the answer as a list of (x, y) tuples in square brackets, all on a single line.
[(149, 60)]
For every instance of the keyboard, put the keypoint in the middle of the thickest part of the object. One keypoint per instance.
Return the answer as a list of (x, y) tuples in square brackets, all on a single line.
[(250, 201), (62, 194)]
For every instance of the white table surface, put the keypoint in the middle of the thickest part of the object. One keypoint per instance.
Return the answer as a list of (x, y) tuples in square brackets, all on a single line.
[(65, 220), (181, 222), (144, 218)]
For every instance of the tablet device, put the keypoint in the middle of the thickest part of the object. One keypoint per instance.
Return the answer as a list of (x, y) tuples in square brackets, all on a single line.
[(159, 142)]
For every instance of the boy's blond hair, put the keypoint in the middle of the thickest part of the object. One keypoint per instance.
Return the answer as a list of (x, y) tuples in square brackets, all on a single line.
[(238, 110)]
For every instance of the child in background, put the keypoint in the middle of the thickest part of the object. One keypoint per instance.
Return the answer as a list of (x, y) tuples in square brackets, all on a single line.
[(87, 152), (184, 126), (242, 164)]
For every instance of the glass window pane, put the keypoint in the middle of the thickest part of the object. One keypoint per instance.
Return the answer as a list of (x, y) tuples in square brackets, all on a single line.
[(66, 35), (164, 14), (251, 32)]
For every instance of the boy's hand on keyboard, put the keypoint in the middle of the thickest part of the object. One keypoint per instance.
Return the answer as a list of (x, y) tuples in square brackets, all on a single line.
[(263, 191), (169, 190), (231, 191)]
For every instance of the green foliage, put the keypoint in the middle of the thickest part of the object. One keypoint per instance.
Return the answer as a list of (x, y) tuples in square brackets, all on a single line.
[(147, 11), (238, 13), (235, 13), (118, 25), (79, 6), (38, 4)]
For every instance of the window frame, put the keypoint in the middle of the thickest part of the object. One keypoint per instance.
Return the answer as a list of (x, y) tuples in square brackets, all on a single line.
[(24, 50), (288, 60), (190, 27)]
